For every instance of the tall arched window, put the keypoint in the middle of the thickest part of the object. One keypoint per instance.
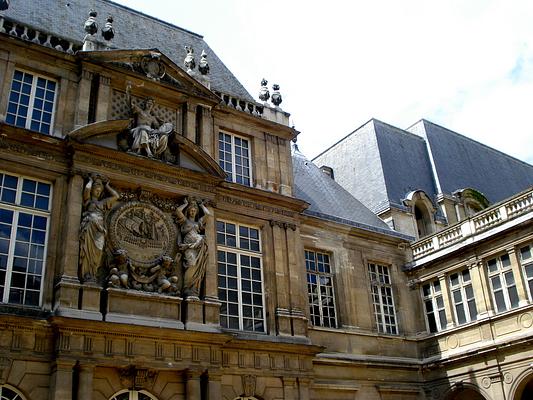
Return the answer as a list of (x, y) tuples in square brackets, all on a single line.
[(423, 212), (10, 393), (132, 395)]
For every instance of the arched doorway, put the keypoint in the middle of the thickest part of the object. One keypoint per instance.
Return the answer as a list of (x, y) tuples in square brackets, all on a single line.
[(132, 395), (525, 389), (465, 394), (10, 393)]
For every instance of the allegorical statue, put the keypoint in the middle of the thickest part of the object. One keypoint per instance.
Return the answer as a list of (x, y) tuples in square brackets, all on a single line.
[(192, 245), (98, 197), (119, 269), (150, 134)]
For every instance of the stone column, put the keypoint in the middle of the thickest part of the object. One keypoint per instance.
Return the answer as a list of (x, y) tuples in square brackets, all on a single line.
[(190, 128), (282, 287), (192, 384), (214, 390), (61, 380), (104, 98), (211, 302), (303, 388), (85, 388), (518, 277), (290, 391), (481, 290), (208, 135), (67, 290), (448, 305), (84, 93)]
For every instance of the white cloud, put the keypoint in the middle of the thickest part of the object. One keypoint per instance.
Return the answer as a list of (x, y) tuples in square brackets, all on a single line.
[(340, 63)]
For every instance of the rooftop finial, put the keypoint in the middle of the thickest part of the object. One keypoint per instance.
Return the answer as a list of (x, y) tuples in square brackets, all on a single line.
[(264, 94), (276, 95), (91, 26), (4, 5), (107, 31), (189, 62), (203, 65)]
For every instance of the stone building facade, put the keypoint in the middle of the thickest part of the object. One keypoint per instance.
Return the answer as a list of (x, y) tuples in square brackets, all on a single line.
[(159, 240)]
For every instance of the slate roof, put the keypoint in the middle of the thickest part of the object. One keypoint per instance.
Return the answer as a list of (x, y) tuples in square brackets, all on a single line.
[(133, 30), (461, 163), (379, 164), (328, 200)]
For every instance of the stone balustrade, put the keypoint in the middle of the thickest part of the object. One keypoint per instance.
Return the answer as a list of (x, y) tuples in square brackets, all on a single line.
[(479, 223), (30, 34)]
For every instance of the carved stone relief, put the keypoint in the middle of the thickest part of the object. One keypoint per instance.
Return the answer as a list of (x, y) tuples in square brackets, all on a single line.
[(140, 241)]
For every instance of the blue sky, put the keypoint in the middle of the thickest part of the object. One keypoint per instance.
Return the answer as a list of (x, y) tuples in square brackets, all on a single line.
[(466, 65)]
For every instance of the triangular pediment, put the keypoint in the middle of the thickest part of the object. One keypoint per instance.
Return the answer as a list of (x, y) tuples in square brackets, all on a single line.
[(179, 152), (155, 66)]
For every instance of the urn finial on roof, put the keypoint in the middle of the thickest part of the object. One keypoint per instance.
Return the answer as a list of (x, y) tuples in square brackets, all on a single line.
[(203, 65), (189, 62), (264, 94), (107, 31), (276, 95), (91, 26)]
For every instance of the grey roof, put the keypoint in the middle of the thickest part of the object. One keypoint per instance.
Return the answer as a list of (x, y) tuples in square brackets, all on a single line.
[(461, 163), (133, 30), (328, 200), (379, 164)]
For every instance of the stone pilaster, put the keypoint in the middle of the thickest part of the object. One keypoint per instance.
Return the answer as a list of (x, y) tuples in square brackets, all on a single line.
[(297, 282), (104, 98), (290, 389), (303, 388), (211, 303), (481, 290), (214, 390), (282, 288), (192, 384), (448, 305), (85, 388), (518, 277), (61, 380), (190, 126), (208, 135), (84, 93)]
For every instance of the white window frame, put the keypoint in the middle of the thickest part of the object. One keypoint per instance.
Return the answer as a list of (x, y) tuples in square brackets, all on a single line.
[(527, 267), (31, 103), (503, 273), (462, 287), (381, 286), (238, 251), (132, 394), (321, 299), (233, 175), (17, 208), (434, 297)]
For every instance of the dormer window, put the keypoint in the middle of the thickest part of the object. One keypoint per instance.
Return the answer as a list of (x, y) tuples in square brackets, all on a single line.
[(31, 102), (234, 158)]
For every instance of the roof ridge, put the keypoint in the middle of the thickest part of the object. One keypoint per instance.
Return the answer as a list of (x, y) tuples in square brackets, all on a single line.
[(475, 141), (169, 24)]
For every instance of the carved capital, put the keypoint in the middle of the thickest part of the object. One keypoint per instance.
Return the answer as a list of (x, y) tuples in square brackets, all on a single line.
[(137, 378)]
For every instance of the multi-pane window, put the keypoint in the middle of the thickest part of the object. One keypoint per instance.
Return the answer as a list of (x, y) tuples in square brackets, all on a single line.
[(502, 282), (382, 298), (234, 158), (526, 259), (320, 289), (24, 215), (240, 277), (31, 102), (434, 306), (463, 299), (7, 393)]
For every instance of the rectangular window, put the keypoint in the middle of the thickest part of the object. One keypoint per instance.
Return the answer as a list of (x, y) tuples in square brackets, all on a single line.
[(24, 215), (526, 260), (463, 297), (234, 158), (31, 102), (240, 277), (504, 293), (320, 289), (434, 306), (382, 299)]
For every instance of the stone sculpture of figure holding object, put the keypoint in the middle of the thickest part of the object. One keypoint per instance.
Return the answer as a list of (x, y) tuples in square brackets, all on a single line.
[(98, 197), (150, 134), (193, 245)]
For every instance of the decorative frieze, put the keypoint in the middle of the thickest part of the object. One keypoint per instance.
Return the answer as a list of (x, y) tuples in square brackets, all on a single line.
[(257, 206)]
